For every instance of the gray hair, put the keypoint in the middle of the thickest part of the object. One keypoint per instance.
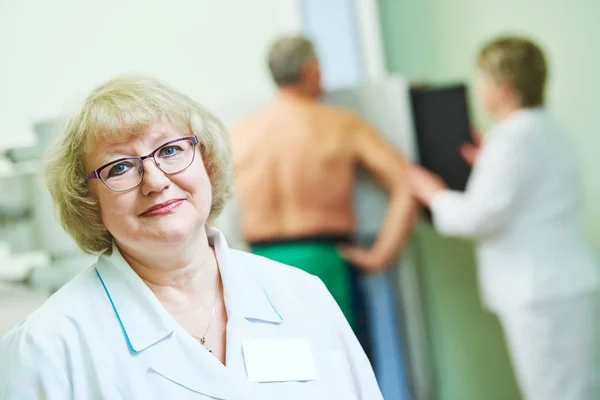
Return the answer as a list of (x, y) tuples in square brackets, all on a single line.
[(287, 57)]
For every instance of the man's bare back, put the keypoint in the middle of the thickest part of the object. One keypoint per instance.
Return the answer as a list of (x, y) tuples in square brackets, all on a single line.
[(294, 167)]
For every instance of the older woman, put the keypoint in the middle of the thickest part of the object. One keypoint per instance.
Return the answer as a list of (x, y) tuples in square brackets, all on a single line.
[(169, 311)]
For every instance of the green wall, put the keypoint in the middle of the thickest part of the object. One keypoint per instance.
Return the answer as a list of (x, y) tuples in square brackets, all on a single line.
[(437, 41), (467, 349)]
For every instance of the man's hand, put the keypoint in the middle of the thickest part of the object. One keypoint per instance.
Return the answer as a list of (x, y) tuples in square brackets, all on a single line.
[(470, 151), (424, 184), (367, 260), (390, 169)]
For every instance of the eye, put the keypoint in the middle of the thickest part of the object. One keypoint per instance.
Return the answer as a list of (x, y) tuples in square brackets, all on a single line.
[(169, 151), (120, 169)]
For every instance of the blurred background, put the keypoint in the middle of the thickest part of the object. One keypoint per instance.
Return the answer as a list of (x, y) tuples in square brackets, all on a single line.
[(53, 52)]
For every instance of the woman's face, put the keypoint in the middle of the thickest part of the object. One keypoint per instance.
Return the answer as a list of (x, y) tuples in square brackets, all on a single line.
[(185, 196), (489, 93), (494, 96)]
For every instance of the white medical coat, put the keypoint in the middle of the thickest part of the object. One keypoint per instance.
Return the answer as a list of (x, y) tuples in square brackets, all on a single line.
[(523, 205), (105, 335)]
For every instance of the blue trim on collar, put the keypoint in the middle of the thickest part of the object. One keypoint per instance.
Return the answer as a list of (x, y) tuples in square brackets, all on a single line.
[(272, 306), (115, 310)]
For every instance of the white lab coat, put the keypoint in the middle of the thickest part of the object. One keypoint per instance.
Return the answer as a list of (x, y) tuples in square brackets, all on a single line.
[(106, 336), (523, 205)]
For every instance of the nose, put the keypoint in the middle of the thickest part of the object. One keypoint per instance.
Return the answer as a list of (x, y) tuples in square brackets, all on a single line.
[(154, 180)]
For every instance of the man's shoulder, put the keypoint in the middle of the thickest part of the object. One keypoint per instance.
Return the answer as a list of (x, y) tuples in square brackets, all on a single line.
[(344, 114)]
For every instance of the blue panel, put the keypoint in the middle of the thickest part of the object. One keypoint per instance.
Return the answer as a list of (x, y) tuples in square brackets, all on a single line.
[(332, 26), (387, 336)]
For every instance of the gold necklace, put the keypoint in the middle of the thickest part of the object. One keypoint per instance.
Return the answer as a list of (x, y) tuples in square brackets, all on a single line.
[(202, 339)]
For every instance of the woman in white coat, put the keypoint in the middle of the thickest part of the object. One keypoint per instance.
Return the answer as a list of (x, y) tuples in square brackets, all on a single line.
[(523, 205), (169, 311)]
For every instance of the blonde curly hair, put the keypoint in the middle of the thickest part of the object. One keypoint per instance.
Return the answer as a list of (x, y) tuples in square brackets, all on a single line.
[(121, 108)]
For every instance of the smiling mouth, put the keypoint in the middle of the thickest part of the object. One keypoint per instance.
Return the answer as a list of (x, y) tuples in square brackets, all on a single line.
[(163, 208)]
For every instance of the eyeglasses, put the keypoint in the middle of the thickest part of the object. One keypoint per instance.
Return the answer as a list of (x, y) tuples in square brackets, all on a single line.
[(127, 173)]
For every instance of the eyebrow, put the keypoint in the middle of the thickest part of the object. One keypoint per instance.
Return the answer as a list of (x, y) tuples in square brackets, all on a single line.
[(161, 137)]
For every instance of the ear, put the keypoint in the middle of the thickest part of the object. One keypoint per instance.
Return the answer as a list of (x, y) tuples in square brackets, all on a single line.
[(309, 70), (509, 91)]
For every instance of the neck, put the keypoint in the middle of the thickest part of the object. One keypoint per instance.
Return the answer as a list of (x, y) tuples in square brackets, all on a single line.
[(295, 93), (507, 110), (183, 278)]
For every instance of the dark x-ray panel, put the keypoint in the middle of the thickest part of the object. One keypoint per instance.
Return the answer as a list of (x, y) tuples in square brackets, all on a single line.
[(442, 124)]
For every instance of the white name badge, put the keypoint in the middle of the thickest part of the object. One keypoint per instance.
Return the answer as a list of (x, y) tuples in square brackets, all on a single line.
[(279, 360)]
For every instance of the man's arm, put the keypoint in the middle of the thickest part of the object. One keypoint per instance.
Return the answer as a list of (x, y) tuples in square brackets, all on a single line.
[(391, 170)]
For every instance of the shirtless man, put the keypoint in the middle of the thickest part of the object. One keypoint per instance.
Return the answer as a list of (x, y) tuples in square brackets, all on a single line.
[(295, 167)]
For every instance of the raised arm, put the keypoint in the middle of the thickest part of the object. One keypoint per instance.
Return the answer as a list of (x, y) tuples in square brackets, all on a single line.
[(390, 169)]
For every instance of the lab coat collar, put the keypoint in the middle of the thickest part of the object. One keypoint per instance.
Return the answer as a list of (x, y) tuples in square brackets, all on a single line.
[(519, 115), (244, 295), (187, 364), (143, 318), (145, 321)]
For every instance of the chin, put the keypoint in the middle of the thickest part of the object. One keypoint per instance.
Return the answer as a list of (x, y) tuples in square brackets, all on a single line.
[(166, 238), (173, 230)]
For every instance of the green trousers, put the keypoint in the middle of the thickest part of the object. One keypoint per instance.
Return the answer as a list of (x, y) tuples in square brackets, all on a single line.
[(319, 258)]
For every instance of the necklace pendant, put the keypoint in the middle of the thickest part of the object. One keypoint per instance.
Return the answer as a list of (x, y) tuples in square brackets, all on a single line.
[(203, 343)]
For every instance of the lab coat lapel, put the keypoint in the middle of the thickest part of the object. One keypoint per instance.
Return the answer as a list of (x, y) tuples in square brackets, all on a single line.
[(142, 318), (244, 295), (188, 364)]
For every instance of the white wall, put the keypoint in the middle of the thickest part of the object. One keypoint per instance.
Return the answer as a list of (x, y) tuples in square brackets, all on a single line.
[(52, 52)]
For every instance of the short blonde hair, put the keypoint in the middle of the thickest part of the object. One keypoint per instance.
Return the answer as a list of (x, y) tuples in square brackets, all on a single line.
[(121, 108), (287, 58), (519, 61)]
